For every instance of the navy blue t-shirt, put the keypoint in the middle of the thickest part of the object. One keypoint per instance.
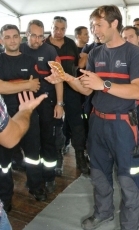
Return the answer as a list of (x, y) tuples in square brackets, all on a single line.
[(119, 65), (19, 67), (42, 55)]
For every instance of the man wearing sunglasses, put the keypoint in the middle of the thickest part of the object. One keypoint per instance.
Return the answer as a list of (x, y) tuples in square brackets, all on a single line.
[(68, 54)]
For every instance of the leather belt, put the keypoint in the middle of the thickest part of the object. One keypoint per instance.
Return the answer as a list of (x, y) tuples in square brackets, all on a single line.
[(110, 116), (118, 116)]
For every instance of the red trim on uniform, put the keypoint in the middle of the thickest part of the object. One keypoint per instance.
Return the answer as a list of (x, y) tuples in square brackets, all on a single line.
[(57, 59), (67, 58), (115, 75), (41, 71), (137, 102)]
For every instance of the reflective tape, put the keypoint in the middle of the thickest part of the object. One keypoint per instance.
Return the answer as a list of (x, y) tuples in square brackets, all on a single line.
[(5, 170), (134, 171), (85, 115), (33, 162), (48, 164)]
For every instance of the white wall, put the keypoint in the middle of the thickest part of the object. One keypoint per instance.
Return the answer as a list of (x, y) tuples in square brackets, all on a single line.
[(132, 13), (5, 19)]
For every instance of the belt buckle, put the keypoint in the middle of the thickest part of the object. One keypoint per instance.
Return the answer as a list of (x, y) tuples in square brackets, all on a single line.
[(102, 115)]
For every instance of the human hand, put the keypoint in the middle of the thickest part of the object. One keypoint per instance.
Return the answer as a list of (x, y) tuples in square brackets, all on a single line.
[(82, 60), (29, 102), (54, 78), (91, 80), (57, 72), (58, 111), (34, 84)]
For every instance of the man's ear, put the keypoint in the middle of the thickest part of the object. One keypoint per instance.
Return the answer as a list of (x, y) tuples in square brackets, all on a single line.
[(115, 23)]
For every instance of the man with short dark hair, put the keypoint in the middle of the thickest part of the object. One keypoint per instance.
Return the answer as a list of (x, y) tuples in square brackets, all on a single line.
[(136, 22), (68, 54), (81, 35), (16, 73), (113, 74), (51, 109), (131, 34)]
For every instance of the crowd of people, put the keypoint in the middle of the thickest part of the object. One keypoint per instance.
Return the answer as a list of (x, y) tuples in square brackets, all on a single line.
[(104, 121)]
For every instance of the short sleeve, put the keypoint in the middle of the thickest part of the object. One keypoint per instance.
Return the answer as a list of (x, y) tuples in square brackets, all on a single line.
[(4, 117)]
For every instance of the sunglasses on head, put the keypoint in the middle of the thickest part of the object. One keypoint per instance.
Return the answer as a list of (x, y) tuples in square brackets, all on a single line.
[(59, 17)]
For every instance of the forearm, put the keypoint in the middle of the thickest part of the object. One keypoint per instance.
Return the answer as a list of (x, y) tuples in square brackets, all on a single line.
[(16, 128), (14, 87), (77, 86), (59, 91), (126, 91)]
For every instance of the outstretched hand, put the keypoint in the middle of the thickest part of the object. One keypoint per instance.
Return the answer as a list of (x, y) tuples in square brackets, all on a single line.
[(29, 102)]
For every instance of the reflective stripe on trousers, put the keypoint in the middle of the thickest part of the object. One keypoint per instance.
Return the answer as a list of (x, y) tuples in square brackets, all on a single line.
[(40, 160), (5, 170)]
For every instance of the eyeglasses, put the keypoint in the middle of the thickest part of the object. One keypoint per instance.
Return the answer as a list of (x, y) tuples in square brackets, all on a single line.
[(34, 36), (61, 18)]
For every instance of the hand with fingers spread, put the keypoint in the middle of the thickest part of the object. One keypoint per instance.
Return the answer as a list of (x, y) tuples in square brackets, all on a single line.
[(91, 80), (29, 102), (34, 84)]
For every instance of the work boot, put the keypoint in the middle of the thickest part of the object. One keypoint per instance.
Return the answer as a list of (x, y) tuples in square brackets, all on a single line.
[(81, 161), (39, 194), (92, 222), (66, 149), (50, 186), (59, 166), (7, 205)]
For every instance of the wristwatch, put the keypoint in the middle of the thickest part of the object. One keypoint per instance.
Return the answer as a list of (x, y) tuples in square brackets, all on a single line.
[(61, 103), (107, 86)]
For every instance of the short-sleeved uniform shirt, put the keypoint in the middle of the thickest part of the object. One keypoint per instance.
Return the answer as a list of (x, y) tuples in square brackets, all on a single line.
[(119, 65), (12, 68), (42, 55), (4, 117)]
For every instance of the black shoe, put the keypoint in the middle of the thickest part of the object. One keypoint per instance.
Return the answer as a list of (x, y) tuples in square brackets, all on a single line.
[(39, 194), (93, 223), (7, 205), (59, 165), (50, 186), (58, 171), (66, 149), (81, 161)]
